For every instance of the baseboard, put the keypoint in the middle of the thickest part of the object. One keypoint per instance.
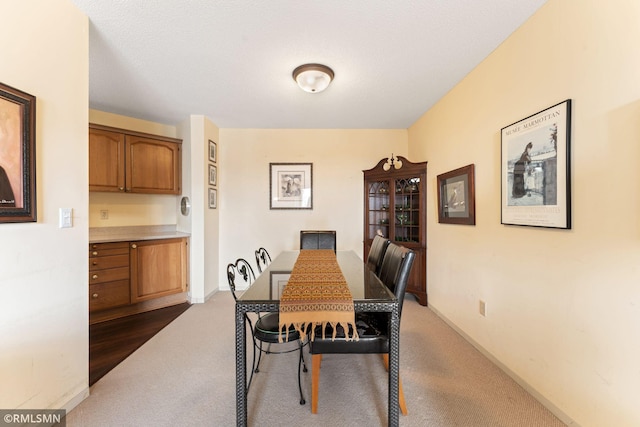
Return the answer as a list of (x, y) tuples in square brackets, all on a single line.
[(532, 391), (194, 300), (75, 400)]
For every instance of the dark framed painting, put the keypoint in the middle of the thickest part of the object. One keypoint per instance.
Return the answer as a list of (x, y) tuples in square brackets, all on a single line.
[(290, 185), (17, 155), (535, 169), (457, 196)]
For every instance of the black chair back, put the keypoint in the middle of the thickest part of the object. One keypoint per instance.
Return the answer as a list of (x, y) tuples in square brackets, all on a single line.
[(240, 273), (395, 270), (376, 253), (318, 239), (263, 259)]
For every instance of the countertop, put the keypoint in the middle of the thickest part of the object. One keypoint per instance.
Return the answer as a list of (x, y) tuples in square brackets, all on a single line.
[(131, 233)]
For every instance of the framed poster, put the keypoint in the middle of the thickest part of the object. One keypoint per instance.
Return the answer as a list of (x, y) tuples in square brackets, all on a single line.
[(213, 151), (535, 169), (290, 185), (457, 196), (17, 155)]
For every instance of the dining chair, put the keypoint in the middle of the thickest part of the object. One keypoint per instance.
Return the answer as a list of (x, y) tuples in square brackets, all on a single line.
[(376, 253), (318, 239), (266, 329), (373, 328), (263, 259)]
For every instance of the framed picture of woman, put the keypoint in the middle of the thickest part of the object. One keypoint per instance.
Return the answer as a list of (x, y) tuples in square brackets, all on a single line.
[(17, 155), (536, 188)]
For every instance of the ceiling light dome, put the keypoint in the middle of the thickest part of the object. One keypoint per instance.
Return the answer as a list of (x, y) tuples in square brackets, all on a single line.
[(313, 78)]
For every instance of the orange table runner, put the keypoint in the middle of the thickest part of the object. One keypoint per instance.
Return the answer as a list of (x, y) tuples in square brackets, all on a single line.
[(317, 294)]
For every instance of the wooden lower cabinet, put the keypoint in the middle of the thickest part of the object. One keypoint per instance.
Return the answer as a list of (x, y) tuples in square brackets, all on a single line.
[(131, 277), (108, 275), (158, 268)]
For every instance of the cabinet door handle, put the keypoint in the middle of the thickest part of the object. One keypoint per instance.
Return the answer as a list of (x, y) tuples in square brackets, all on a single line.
[(94, 296), (94, 253), (95, 262), (95, 276), (121, 188), (133, 246)]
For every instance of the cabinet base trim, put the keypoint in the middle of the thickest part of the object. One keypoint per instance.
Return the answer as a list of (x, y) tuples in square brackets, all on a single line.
[(154, 304)]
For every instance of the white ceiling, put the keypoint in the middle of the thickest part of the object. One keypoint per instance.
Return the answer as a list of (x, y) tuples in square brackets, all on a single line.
[(163, 60)]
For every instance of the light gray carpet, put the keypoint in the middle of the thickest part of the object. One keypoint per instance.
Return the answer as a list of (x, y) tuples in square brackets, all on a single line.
[(185, 376)]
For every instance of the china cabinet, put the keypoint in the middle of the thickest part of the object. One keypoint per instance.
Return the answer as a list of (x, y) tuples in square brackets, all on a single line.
[(395, 207)]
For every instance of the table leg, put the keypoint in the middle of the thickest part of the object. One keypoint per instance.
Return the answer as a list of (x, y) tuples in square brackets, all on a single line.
[(241, 368), (394, 368)]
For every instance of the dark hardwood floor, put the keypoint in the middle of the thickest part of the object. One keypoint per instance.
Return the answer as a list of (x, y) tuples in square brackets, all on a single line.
[(113, 341)]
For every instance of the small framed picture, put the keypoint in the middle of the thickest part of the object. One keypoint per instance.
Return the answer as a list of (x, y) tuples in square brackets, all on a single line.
[(213, 198), (456, 196), (213, 151), (290, 185), (213, 175)]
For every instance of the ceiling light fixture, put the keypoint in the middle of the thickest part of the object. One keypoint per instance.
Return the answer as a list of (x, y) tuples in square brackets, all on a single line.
[(313, 78)]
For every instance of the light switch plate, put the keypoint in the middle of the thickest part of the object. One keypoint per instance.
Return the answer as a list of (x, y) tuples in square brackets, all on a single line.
[(66, 217)]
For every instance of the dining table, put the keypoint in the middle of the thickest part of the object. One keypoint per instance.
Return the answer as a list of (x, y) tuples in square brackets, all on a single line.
[(369, 295)]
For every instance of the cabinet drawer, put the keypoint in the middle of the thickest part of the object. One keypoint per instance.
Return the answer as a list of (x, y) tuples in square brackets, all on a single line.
[(107, 249), (103, 262), (109, 275), (108, 295)]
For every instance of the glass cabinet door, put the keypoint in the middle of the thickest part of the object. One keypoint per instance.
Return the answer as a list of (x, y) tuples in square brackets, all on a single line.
[(378, 208), (407, 209)]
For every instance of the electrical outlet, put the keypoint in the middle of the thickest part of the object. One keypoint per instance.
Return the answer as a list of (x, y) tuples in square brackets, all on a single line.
[(104, 214), (482, 308)]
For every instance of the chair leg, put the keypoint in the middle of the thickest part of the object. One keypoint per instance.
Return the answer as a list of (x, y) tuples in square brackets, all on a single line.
[(300, 363), (402, 403), (253, 366), (316, 360)]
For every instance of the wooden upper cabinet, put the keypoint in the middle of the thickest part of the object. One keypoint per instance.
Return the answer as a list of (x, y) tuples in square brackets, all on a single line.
[(134, 162), (106, 160), (153, 166)]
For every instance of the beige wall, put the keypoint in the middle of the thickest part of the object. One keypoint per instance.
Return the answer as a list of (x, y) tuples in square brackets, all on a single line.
[(338, 157), (562, 305), (43, 285), (202, 222)]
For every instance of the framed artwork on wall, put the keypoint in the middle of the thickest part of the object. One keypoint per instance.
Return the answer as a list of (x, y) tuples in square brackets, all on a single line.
[(213, 151), (457, 196), (17, 155), (290, 185), (213, 198), (535, 169), (213, 175)]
